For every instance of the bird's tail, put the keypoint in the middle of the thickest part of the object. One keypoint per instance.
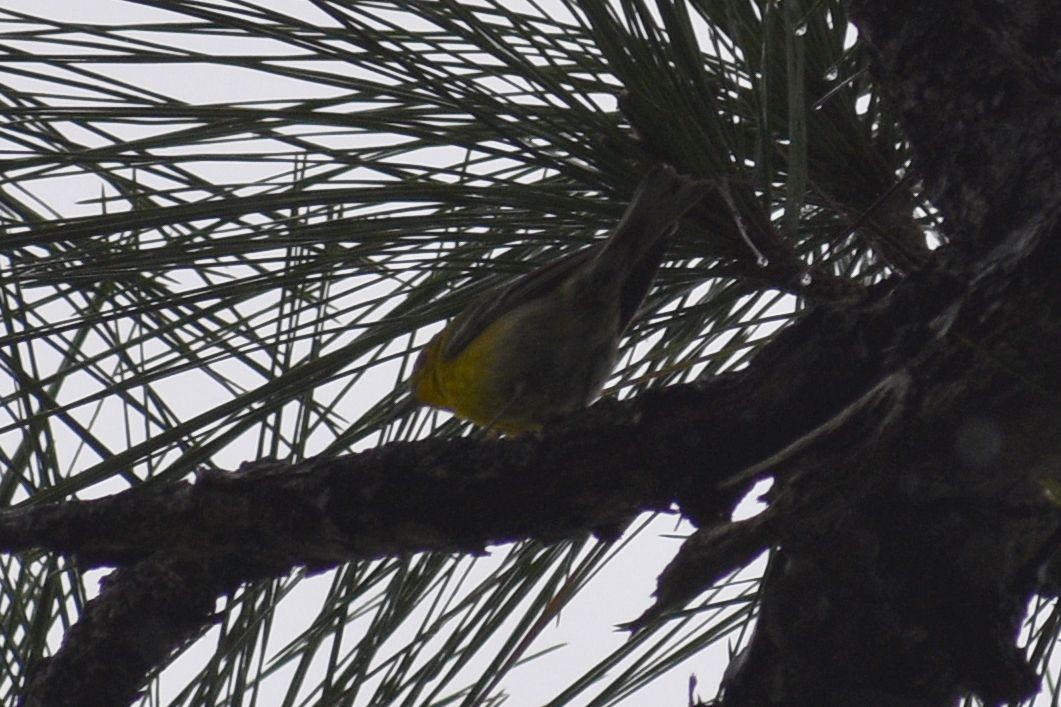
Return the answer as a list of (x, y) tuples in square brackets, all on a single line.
[(626, 264), (663, 197)]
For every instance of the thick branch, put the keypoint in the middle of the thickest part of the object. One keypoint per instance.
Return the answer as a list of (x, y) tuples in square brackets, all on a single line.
[(906, 560), (144, 613), (593, 471), (976, 84), (590, 472)]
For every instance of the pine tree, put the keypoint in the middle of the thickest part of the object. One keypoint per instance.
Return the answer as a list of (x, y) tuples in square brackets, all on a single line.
[(228, 228)]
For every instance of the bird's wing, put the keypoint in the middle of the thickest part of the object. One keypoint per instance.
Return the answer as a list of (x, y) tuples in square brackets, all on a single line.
[(500, 300)]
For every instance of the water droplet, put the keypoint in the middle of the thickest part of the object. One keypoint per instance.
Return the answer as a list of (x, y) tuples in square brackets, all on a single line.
[(805, 279), (831, 74), (801, 29), (762, 261)]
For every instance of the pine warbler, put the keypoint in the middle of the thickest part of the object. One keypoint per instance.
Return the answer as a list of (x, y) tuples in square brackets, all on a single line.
[(544, 344)]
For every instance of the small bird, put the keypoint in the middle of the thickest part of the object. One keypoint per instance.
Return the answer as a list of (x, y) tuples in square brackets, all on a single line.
[(544, 344)]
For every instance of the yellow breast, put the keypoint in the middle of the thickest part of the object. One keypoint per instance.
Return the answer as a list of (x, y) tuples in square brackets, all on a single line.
[(472, 384)]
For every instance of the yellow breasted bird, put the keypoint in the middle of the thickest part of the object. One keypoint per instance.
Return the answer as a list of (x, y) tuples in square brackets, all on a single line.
[(544, 344)]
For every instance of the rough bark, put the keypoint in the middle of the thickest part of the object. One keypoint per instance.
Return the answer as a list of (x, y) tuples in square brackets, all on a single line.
[(912, 529)]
